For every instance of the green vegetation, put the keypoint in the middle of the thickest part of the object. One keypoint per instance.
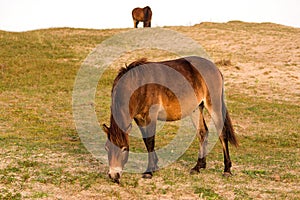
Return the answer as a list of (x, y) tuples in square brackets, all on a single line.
[(42, 156)]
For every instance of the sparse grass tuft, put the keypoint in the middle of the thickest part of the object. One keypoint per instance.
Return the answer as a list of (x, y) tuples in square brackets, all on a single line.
[(223, 62), (206, 193)]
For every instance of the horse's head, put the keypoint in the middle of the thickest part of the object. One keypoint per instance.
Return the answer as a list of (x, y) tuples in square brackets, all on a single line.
[(117, 148)]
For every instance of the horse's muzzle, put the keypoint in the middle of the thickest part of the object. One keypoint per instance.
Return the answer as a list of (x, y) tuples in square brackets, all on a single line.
[(115, 175), (115, 178)]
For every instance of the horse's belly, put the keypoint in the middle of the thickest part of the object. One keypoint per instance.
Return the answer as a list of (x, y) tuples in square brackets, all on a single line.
[(174, 112)]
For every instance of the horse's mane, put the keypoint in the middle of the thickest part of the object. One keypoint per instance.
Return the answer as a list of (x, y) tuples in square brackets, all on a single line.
[(119, 138), (125, 69)]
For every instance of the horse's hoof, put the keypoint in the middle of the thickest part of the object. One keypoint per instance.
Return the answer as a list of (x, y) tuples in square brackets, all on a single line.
[(194, 171), (227, 174), (147, 175)]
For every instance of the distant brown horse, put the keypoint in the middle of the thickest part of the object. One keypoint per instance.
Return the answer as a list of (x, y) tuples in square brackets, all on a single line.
[(149, 91), (142, 15)]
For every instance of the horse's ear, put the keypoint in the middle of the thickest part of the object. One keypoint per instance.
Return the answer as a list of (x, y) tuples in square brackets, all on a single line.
[(105, 129)]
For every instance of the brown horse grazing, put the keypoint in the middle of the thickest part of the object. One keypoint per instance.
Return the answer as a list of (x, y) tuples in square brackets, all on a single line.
[(142, 15), (149, 91)]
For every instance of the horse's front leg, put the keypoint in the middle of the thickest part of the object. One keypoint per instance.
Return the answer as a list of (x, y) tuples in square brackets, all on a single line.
[(135, 23), (148, 132), (202, 133), (152, 157)]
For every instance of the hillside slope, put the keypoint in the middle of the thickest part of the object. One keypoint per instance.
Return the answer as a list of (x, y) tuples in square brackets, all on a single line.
[(41, 153)]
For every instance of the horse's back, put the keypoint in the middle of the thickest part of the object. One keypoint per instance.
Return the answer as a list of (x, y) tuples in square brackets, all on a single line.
[(142, 14), (138, 14), (203, 66), (196, 65), (135, 12), (198, 79), (178, 85), (184, 79)]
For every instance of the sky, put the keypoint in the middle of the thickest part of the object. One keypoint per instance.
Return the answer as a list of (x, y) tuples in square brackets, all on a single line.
[(24, 15)]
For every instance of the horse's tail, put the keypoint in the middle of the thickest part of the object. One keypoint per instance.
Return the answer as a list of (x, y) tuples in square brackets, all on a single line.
[(228, 130), (147, 13)]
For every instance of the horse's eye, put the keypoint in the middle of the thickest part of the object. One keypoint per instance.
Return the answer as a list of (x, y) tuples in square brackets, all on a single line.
[(124, 149)]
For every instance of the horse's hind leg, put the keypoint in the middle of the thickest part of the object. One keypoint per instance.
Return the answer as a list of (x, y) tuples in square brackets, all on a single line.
[(227, 161), (224, 142), (202, 133), (219, 116), (147, 24)]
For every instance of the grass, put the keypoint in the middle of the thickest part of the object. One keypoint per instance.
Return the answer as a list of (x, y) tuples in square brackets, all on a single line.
[(42, 156)]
